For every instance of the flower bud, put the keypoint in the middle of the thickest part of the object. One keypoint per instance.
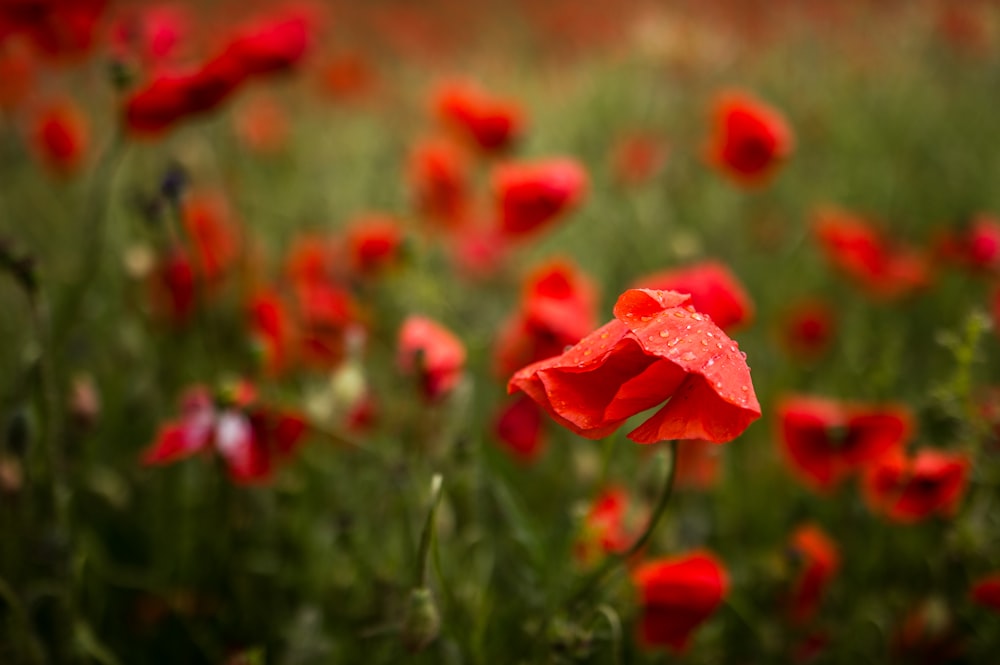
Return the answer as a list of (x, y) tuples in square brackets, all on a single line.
[(423, 622)]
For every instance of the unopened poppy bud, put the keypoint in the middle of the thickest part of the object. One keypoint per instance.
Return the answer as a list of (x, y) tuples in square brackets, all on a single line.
[(175, 181), (423, 622), (18, 432)]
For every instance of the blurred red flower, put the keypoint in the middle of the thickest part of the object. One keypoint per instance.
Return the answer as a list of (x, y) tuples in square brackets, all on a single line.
[(171, 97), (438, 173), (151, 32), (325, 312), (657, 348), (976, 245), (557, 309), (531, 195), (713, 288), (884, 269), (60, 137), (749, 138), (262, 125), (210, 226), (637, 158), (816, 560), (491, 123), (173, 287), (986, 592), (824, 441), (433, 353), (250, 437), (272, 45), (56, 28), (374, 243), (518, 427), (910, 489), (272, 327), (348, 76), (807, 328), (676, 596), (697, 465), (604, 527)]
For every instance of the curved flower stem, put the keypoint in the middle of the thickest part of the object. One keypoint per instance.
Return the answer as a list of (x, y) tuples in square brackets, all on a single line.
[(612, 561), (427, 535)]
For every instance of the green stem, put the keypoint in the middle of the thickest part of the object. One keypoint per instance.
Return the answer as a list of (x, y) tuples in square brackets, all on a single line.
[(427, 535)]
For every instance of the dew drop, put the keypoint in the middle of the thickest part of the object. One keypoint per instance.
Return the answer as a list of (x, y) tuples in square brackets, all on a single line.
[(718, 384), (688, 356), (711, 361), (645, 318), (696, 316), (704, 342), (680, 315), (664, 333), (687, 327), (587, 352), (604, 335), (718, 345), (744, 388), (710, 334)]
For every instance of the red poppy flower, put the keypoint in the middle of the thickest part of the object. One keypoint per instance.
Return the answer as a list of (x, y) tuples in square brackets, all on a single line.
[(248, 436), (676, 596), (817, 562), (975, 246), (928, 635), (492, 123), (557, 310), (173, 287), (272, 326), (274, 45), (531, 195), (325, 313), (438, 172), (604, 527), (60, 137), (153, 33), (172, 97), (433, 353), (374, 243), (749, 138), (884, 269), (657, 348), (311, 259), (518, 427), (347, 76), (911, 489), (637, 158), (697, 465), (713, 288), (56, 28), (986, 592), (824, 441), (807, 328), (262, 125), (208, 222)]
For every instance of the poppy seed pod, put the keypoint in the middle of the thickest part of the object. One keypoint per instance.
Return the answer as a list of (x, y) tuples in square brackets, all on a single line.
[(423, 621)]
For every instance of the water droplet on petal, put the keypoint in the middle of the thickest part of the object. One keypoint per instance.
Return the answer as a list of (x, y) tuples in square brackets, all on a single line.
[(680, 315), (710, 334), (688, 356), (664, 333), (744, 388), (718, 345)]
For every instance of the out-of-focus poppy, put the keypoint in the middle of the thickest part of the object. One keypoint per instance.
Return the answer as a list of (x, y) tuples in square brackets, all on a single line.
[(518, 427), (605, 530), (174, 287), (557, 310), (272, 327), (816, 559), (152, 33), (697, 464), (438, 173), (885, 270), (713, 288), (348, 76), (374, 243), (274, 44), (986, 592), (807, 328), (56, 28), (262, 125), (60, 137), (171, 97), (532, 195), (657, 348), (976, 245), (250, 437), (491, 123), (911, 489), (676, 596), (825, 441), (209, 224), (433, 353), (636, 158), (749, 138)]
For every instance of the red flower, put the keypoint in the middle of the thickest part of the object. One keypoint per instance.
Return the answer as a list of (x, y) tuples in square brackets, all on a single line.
[(347, 76), (912, 489), (274, 45), (271, 324), (374, 243), (518, 427), (807, 328), (57, 28), (208, 222), (173, 287), (60, 137), (262, 125), (657, 348), (697, 465), (532, 195), (676, 596), (749, 139), (492, 123), (713, 288), (604, 527), (325, 312), (433, 353), (151, 32), (248, 436), (854, 246), (637, 158), (975, 246), (818, 561), (557, 310), (438, 173), (172, 97), (824, 441), (986, 592)]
